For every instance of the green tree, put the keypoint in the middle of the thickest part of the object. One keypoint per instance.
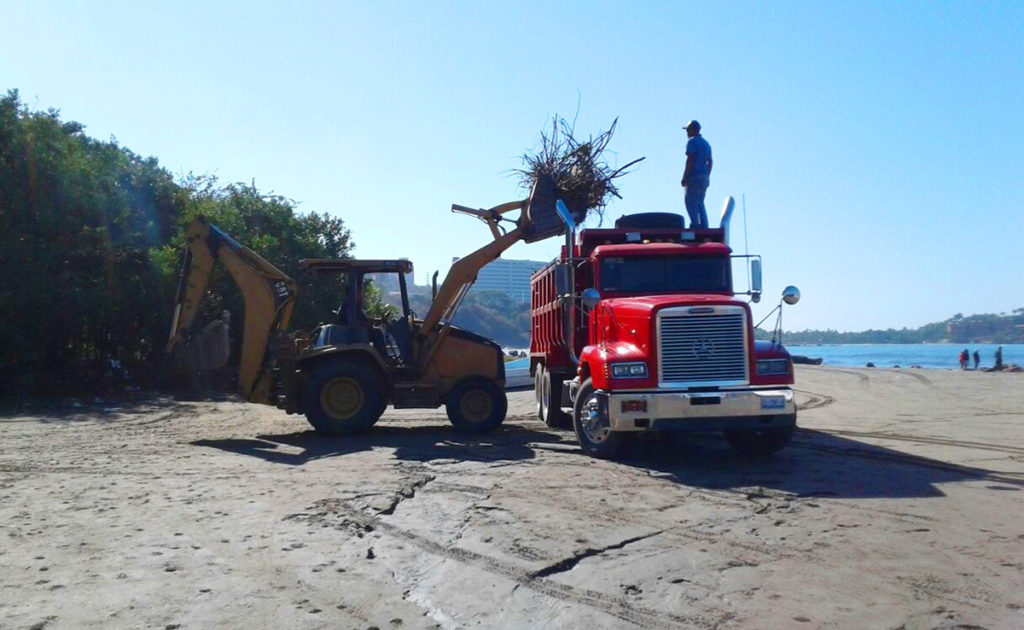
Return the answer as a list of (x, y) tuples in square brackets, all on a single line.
[(90, 242)]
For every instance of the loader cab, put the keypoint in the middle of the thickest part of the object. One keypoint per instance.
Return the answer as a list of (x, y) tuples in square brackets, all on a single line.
[(389, 335)]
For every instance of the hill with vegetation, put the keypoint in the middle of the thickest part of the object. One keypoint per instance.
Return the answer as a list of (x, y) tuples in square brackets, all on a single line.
[(507, 321), (985, 328), (489, 313), (91, 236)]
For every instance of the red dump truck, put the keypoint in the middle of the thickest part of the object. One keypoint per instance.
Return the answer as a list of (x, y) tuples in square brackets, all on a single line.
[(637, 328)]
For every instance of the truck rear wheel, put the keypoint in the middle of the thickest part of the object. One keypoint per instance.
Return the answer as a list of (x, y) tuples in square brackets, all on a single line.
[(550, 410), (538, 387), (476, 405), (759, 442), (592, 430), (343, 396)]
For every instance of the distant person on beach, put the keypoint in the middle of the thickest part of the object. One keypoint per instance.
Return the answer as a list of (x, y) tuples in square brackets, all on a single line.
[(696, 175), (963, 359), (977, 360), (999, 358)]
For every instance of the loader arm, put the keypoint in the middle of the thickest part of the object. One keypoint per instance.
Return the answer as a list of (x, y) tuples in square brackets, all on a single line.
[(268, 292), (537, 220), (460, 278), (464, 271)]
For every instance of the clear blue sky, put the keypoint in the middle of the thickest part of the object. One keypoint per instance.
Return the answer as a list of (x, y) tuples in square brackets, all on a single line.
[(879, 145)]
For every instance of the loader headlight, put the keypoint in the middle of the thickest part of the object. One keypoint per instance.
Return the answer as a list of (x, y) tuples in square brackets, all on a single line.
[(629, 370), (772, 367)]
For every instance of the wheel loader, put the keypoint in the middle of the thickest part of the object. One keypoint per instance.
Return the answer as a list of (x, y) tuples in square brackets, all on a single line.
[(344, 373)]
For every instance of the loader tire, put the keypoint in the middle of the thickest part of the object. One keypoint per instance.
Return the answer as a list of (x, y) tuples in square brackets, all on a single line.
[(476, 405), (344, 396)]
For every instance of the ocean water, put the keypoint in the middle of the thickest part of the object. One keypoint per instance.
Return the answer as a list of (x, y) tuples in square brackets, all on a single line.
[(518, 364), (936, 356), (931, 355)]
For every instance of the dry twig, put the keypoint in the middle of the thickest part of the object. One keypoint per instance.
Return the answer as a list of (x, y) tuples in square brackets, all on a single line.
[(583, 179)]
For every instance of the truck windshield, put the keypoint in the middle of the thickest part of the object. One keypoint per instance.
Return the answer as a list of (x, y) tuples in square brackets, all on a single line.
[(665, 274)]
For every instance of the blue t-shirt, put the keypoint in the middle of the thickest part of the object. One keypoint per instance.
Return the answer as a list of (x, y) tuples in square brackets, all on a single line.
[(699, 148)]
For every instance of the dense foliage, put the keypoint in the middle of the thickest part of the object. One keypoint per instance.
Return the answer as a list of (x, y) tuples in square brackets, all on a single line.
[(90, 240)]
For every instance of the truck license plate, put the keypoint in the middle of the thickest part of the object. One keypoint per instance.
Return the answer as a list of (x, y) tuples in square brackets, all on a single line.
[(773, 402)]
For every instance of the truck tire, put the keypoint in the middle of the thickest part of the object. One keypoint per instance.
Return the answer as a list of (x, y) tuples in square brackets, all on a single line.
[(476, 405), (593, 433), (551, 402), (538, 387), (759, 442), (343, 396)]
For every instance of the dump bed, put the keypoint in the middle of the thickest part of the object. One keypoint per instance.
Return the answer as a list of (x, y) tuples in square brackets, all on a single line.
[(547, 322)]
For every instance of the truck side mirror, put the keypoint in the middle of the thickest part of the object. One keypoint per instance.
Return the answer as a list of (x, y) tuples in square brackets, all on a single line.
[(755, 280), (791, 295), (590, 297)]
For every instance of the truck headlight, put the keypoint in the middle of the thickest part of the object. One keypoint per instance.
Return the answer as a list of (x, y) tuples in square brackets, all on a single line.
[(772, 367), (629, 370)]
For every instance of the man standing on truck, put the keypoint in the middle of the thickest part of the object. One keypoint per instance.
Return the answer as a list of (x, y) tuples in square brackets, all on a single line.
[(696, 175)]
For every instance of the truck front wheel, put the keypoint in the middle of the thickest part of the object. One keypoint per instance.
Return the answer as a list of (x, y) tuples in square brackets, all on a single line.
[(476, 405), (551, 402), (593, 429), (343, 396), (759, 442)]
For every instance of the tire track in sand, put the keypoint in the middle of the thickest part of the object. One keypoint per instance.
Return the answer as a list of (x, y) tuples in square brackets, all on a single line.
[(816, 401), (864, 379)]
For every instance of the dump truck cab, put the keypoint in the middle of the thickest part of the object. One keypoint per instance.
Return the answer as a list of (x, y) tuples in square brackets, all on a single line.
[(638, 328)]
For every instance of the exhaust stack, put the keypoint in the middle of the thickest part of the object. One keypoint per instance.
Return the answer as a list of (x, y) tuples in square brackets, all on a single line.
[(730, 205)]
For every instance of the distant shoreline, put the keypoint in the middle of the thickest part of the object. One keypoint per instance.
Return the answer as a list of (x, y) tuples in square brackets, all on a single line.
[(930, 356), (950, 344)]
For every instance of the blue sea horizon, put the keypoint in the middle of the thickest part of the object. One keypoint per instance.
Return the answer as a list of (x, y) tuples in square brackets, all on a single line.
[(932, 356)]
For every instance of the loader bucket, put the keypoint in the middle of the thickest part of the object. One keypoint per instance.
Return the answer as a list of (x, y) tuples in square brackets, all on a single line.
[(541, 220)]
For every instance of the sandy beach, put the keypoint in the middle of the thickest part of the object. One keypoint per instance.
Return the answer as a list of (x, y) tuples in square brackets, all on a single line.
[(898, 505)]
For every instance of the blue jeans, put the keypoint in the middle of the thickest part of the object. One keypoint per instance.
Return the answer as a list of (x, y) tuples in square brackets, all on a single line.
[(695, 202)]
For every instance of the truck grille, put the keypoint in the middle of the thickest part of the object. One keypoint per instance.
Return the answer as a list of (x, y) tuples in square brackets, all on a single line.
[(703, 349)]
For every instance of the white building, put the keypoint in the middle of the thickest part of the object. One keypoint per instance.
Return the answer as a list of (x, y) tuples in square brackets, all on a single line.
[(511, 277)]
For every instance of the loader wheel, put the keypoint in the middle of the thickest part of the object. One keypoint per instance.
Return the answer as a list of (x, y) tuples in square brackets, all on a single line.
[(344, 396), (593, 431), (476, 405), (551, 402)]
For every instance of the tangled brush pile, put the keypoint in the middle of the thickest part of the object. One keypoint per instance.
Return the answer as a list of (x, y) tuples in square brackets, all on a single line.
[(582, 177)]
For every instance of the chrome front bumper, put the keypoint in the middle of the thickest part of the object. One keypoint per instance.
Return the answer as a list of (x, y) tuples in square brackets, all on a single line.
[(704, 410)]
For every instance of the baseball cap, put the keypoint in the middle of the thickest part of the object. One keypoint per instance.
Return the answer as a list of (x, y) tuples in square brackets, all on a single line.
[(692, 123)]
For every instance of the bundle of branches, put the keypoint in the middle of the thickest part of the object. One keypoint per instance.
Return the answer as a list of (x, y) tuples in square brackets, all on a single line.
[(583, 179)]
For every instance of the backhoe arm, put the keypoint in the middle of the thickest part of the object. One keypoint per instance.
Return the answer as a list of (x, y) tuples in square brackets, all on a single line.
[(269, 297)]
